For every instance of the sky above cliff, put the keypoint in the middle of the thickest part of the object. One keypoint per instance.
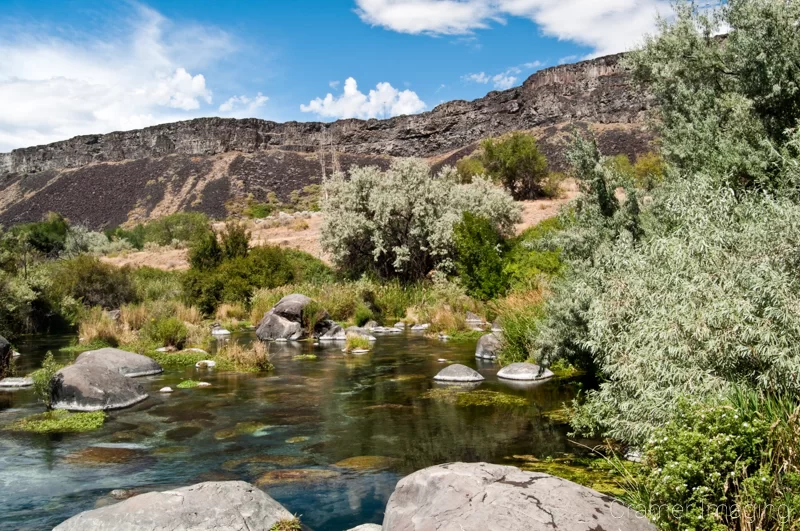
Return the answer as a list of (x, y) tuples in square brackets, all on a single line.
[(72, 67)]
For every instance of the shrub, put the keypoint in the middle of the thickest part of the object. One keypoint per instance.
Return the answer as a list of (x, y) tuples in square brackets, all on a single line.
[(356, 342), (48, 237), (181, 227), (530, 259), (94, 283), (399, 223), (42, 379), (167, 332), (134, 237), (649, 170), (469, 167), (205, 252), (155, 284), (253, 357), (235, 241), (724, 465), (479, 257), (515, 161), (520, 314), (362, 315), (227, 312)]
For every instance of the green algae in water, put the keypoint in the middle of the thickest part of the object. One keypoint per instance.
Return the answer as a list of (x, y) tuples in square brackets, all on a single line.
[(367, 462), (166, 451), (483, 398), (188, 384), (242, 428), (295, 440), (596, 473), (60, 421), (301, 357), (295, 475)]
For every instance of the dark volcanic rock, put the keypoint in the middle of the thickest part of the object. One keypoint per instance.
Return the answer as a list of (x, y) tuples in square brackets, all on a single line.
[(89, 387), (217, 505), (473, 496), (205, 163)]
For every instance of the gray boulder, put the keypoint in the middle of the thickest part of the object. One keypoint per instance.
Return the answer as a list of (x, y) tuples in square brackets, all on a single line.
[(334, 333), (363, 332), (126, 363), (90, 387), (370, 325), (458, 373), (291, 307), (5, 356), (274, 327), (211, 506), (525, 372), (488, 347), (484, 497), (367, 527), (474, 319)]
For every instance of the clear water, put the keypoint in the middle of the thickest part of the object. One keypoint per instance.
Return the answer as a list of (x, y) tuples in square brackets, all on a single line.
[(309, 415)]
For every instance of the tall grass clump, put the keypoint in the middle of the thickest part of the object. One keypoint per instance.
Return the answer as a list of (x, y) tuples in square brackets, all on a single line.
[(356, 342), (97, 327), (253, 357)]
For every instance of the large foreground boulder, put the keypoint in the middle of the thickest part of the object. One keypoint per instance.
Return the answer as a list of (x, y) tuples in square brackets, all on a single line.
[(5, 357), (211, 506), (488, 347), (484, 497), (126, 363), (458, 373), (285, 321), (90, 387)]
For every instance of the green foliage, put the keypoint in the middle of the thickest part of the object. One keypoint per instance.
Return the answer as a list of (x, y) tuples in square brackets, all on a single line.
[(398, 224), (205, 252), (362, 315), (136, 236), (479, 257), (156, 284), (530, 259), (469, 167), (724, 465), (42, 379), (649, 170), (180, 227), (94, 283), (59, 421), (235, 241), (356, 342), (47, 237), (188, 384), (166, 332), (515, 161), (24, 301)]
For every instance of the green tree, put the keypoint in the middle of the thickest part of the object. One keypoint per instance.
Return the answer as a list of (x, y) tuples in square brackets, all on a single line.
[(205, 253), (235, 241), (515, 161), (479, 257), (469, 167)]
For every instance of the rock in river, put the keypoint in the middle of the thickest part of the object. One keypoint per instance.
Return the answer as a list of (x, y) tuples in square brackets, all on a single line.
[(285, 321), (458, 373), (526, 372), (223, 505), (367, 527), (480, 496), (15, 383), (89, 387), (126, 363), (488, 347), (5, 356)]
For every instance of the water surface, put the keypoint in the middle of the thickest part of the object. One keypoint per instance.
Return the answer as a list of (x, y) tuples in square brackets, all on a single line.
[(288, 428)]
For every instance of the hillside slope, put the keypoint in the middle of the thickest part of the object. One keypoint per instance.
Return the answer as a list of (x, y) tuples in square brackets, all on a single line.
[(202, 164)]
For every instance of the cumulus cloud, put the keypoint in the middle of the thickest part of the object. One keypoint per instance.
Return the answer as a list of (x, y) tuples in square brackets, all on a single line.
[(381, 102), (606, 26), (503, 80), (243, 105), (148, 72)]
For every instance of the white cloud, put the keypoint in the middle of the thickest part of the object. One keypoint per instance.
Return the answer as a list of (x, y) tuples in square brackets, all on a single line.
[(148, 70), (503, 80), (334, 84), (381, 102), (606, 26), (243, 105)]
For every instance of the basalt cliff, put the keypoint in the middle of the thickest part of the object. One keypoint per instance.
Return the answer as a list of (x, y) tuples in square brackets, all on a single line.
[(209, 163)]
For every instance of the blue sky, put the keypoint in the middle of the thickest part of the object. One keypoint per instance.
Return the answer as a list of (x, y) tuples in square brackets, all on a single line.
[(74, 67)]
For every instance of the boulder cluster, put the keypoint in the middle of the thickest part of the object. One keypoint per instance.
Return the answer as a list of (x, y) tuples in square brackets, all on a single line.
[(450, 497)]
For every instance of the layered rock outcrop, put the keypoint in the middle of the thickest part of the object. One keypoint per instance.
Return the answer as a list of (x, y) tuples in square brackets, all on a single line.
[(201, 164)]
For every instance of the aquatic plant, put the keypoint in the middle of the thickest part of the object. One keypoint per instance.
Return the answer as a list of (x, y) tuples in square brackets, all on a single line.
[(188, 384), (480, 397), (254, 357), (59, 421), (356, 342)]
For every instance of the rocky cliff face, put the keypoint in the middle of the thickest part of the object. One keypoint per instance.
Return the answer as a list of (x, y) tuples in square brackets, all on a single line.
[(167, 167)]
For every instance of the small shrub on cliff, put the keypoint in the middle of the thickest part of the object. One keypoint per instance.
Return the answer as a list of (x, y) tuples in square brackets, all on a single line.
[(399, 223)]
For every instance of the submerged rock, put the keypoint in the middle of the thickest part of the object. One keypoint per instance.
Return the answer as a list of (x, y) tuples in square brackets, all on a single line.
[(367, 462), (15, 383), (526, 372), (295, 475), (105, 455), (458, 373), (475, 496), (225, 505), (488, 347), (126, 363), (90, 387)]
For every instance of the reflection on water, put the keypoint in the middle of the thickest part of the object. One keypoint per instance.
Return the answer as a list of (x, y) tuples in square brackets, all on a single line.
[(285, 431)]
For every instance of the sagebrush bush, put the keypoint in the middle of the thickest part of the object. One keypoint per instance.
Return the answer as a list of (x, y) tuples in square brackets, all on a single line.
[(515, 161), (398, 224)]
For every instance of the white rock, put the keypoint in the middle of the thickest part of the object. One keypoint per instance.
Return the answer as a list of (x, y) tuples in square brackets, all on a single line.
[(220, 332), (203, 384), (206, 364), (165, 390)]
